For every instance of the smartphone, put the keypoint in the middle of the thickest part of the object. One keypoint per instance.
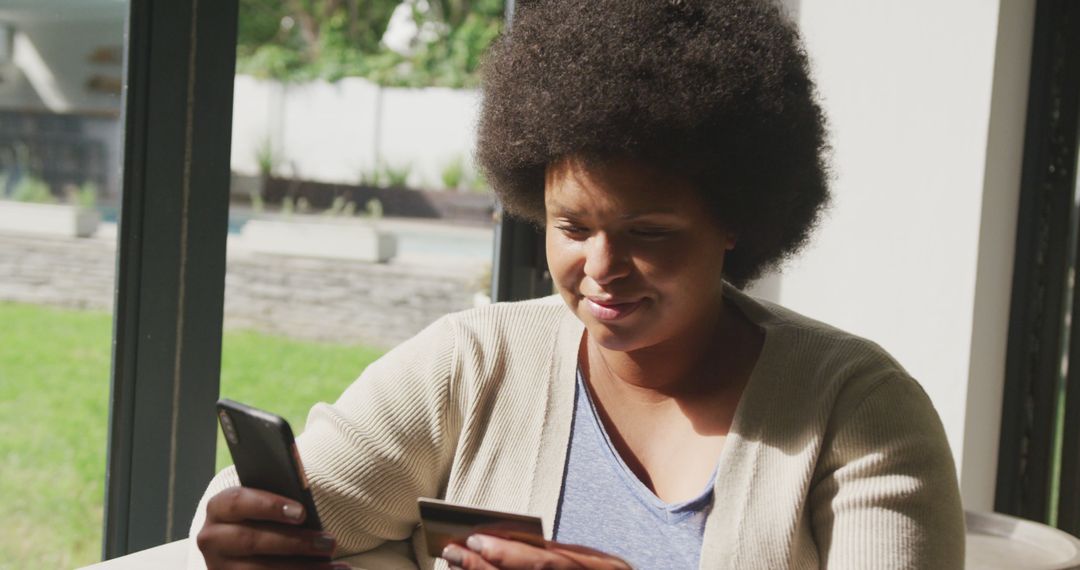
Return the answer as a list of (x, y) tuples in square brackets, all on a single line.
[(264, 452), (446, 523)]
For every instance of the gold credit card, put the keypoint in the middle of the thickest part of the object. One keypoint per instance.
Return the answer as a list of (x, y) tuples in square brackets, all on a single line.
[(446, 523)]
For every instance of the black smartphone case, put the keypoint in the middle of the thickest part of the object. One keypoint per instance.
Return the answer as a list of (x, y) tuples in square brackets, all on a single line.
[(265, 456)]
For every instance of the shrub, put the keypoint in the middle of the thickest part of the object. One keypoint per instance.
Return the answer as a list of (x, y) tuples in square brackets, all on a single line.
[(84, 196), (31, 189), (453, 174), (374, 209), (267, 157), (395, 176)]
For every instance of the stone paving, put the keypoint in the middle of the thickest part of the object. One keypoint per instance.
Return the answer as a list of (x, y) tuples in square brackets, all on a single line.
[(308, 298)]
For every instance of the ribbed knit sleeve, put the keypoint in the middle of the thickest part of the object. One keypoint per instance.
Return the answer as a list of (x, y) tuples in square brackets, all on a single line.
[(885, 493), (387, 440)]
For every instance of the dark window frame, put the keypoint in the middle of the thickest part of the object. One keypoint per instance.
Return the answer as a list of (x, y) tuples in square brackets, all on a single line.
[(1038, 331), (180, 63)]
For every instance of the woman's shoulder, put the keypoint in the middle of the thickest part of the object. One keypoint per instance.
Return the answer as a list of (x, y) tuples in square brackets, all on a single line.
[(484, 333), (516, 320), (820, 361), (844, 385), (505, 330)]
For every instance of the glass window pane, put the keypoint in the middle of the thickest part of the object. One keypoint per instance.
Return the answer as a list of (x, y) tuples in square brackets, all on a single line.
[(357, 215), (61, 75)]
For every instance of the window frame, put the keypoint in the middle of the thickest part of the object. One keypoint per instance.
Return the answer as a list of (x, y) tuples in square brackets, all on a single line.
[(1044, 259), (179, 68)]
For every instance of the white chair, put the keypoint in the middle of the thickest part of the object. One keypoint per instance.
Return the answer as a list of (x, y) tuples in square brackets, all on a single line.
[(996, 541)]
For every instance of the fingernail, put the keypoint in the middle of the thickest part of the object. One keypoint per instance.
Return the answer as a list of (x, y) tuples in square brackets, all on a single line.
[(475, 543), (293, 511), (452, 554), (324, 543)]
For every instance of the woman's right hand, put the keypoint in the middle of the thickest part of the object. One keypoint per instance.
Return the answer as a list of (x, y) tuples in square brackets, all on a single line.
[(252, 529)]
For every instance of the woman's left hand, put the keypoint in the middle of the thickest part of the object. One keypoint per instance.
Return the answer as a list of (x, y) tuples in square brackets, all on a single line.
[(490, 553)]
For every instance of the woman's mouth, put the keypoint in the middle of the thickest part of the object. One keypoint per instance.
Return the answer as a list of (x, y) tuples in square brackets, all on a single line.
[(611, 310)]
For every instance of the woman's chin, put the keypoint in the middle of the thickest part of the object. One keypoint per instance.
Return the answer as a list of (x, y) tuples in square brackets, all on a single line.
[(621, 339)]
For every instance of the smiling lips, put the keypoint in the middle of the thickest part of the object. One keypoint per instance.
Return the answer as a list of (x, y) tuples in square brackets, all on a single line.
[(612, 309)]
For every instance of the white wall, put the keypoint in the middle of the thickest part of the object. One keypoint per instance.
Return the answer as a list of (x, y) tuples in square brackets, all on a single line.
[(993, 280), (431, 126), (333, 132), (926, 101)]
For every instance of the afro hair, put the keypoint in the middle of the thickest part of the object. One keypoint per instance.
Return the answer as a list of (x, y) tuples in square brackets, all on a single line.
[(717, 91)]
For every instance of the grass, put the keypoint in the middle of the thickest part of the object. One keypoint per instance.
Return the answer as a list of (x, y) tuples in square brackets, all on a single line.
[(285, 376), (54, 403), (54, 386)]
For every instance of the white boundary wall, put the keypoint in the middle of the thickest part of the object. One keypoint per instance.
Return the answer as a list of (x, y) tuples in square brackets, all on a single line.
[(926, 101), (335, 132)]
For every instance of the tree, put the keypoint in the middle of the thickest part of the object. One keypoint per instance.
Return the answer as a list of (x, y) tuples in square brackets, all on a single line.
[(295, 40)]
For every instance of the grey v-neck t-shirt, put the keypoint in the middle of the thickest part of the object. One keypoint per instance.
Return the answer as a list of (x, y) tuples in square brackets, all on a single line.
[(605, 506)]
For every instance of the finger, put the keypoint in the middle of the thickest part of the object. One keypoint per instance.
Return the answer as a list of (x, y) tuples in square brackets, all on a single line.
[(247, 540), (461, 558), (511, 554), (237, 504)]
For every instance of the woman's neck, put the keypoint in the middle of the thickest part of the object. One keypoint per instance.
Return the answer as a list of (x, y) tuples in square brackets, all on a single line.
[(697, 363)]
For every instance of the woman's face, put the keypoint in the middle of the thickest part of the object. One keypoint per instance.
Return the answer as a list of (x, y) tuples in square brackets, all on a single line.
[(634, 252)]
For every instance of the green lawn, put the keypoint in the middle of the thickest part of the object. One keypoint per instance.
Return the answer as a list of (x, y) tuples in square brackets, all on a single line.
[(54, 380)]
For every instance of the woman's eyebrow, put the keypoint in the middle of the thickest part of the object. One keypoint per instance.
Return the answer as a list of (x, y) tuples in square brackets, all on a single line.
[(650, 212), (562, 211)]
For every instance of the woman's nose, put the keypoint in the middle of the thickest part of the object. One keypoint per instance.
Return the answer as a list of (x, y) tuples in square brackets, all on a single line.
[(604, 260)]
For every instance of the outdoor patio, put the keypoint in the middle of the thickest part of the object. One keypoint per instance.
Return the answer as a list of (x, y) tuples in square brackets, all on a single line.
[(439, 269)]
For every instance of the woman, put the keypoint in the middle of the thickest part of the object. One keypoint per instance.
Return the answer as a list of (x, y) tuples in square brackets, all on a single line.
[(653, 414)]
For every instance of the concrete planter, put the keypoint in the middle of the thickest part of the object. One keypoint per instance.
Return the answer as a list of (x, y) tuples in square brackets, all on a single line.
[(356, 239), (62, 220)]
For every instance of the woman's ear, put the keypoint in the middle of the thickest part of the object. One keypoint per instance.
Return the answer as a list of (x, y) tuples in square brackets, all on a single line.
[(731, 239)]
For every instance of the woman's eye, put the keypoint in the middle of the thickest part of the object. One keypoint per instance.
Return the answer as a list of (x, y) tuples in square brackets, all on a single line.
[(572, 230)]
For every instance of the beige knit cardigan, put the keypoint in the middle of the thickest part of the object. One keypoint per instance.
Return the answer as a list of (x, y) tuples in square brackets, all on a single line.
[(835, 459)]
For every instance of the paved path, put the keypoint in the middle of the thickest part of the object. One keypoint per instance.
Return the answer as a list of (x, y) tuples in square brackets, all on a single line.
[(327, 300)]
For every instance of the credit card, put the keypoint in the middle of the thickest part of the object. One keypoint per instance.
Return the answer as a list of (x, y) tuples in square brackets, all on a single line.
[(446, 523)]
